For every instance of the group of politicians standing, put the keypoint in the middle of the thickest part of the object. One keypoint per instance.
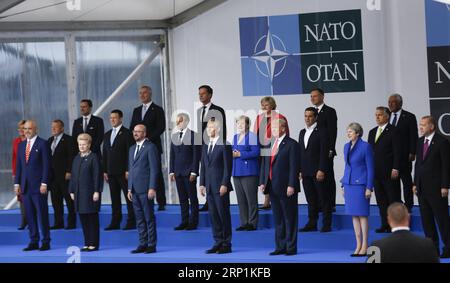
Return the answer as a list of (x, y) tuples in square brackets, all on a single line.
[(266, 159)]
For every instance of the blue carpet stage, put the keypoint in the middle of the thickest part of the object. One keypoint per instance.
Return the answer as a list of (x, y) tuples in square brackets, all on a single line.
[(190, 246)]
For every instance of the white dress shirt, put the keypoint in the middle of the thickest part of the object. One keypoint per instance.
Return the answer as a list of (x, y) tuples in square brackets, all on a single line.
[(319, 108), (400, 228), (206, 109), (429, 138), (308, 133)]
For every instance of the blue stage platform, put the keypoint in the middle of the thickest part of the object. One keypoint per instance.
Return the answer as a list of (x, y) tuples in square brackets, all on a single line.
[(190, 246)]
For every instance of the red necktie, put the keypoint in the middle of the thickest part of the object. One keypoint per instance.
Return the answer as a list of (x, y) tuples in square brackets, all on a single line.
[(27, 151), (272, 157), (425, 149)]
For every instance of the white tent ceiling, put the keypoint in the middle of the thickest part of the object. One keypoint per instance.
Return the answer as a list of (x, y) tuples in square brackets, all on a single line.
[(97, 10)]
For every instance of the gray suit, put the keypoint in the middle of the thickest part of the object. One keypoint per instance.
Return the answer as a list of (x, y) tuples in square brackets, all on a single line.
[(143, 171)]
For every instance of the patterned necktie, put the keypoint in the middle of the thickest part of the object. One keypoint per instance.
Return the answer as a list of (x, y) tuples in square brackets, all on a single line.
[(425, 149), (85, 124), (137, 151), (113, 136), (380, 130), (272, 157), (27, 151), (54, 143), (210, 148), (394, 121), (144, 110)]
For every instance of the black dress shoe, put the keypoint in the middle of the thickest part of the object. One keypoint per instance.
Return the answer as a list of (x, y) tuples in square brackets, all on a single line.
[(182, 226), (139, 250), (191, 227), (308, 228), (44, 247), (291, 253), (241, 228), (70, 227), (204, 208), (445, 254), (383, 230), (268, 207), (224, 250), (92, 249), (112, 227), (161, 207), (31, 247), (22, 227), (325, 229), (129, 226), (213, 250), (150, 250), (57, 227), (278, 252), (85, 249), (251, 228), (358, 255)]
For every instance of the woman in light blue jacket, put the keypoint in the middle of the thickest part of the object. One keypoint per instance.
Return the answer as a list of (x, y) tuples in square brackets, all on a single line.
[(357, 184)]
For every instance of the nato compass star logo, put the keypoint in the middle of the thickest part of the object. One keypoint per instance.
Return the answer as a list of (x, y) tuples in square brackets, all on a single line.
[(270, 56)]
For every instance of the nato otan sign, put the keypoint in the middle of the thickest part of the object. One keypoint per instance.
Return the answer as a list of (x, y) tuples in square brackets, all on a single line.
[(290, 54)]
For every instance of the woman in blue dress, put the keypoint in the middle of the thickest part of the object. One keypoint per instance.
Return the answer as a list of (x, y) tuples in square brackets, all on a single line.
[(357, 184)]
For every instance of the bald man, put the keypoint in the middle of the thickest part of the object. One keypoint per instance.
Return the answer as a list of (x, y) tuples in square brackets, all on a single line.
[(32, 175)]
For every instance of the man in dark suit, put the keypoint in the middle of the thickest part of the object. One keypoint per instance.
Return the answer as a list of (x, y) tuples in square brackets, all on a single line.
[(313, 165), (431, 183), (406, 125), (215, 183), (184, 165), (143, 166), (327, 119), (116, 145), (32, 176), (206, 113), (153, 117), (89, 124), (402, 246), (62, 149), (279, 177), (385, 145)]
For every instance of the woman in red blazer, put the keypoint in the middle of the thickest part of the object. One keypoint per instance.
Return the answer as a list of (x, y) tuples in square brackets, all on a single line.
[(16, 142)]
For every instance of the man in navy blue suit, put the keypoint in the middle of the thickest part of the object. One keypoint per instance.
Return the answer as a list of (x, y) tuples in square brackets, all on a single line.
[(143, 170), (215, 183), (184, 163), (279, 177), (32, 175)]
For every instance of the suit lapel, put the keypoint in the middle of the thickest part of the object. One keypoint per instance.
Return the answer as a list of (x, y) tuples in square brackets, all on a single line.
[(312, 136), (280, 148), (383, 133), (33, 148), (301, 139), (139, 153), (430, 148)]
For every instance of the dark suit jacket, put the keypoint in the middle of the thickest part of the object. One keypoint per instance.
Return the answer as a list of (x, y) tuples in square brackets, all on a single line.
[(386, 151), (86, 179), (405, 247), (432, 174), (216, 169), (61, 160), (154, 120), (285, 168), (407, 132), (216, 112), (95, 129), (328, 120), (315, 156), (31, 175), (115, 157), (143, 171), (184, 156)]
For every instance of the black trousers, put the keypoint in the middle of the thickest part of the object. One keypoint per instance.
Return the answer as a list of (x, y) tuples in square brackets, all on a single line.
[(219, 214), (387, 191), (331, 182), (161, 190), (187, 193), (285, 214), (118, 185), (59, 193), (406, 178), (91, 229), (318, 194), (434, 209)]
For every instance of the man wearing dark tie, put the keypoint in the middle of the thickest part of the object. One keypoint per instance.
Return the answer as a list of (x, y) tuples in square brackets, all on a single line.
[(327, 119), (385, 144), (215, 183), (89, 124), (313, 156), (32, 176), (431, 183), (62, 149), (143, 170), (279, 177), (406, 124), (184, 165), (116, 145), (153, 117), (204, 114)]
